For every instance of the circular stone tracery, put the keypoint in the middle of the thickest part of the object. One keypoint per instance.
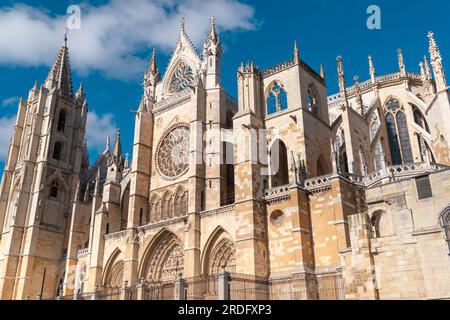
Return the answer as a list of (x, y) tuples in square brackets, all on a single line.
[(173, 153)]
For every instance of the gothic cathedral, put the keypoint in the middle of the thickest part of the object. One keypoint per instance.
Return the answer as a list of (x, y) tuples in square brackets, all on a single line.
[(284, 193)]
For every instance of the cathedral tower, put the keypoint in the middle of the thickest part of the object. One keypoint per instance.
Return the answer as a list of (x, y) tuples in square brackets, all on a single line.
[(39, 184)]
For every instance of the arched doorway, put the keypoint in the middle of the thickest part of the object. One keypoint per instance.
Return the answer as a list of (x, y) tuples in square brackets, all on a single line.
[(164, 261)]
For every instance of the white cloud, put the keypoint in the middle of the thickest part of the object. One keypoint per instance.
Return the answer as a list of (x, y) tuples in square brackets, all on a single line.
[(98, 127), (10, 101), (114, 33), (6, 131)]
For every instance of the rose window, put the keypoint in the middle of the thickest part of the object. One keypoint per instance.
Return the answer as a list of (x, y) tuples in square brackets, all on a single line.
[(182, 78), (173, 153)]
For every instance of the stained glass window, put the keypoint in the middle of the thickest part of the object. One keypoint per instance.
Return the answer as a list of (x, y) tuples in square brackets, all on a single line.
[(404, 137), (173, 153), (397, 129)]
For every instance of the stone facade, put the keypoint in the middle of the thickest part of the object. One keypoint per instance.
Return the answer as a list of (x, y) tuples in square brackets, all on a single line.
[(285, 187)]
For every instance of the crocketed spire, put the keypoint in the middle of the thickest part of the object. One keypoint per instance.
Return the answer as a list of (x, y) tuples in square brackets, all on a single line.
[(212, 35), (60, 76)]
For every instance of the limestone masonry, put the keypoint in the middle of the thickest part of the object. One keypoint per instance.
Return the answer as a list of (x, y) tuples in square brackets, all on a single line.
[(350, 201)]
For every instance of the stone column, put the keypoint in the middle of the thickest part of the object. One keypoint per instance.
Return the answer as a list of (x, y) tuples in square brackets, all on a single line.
[(125, 292), (141, 290), (96, 294), (180, 286), (223, 287)]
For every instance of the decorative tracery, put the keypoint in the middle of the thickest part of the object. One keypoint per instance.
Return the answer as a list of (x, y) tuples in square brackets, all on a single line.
[(223, 256), (166, 261), (173, 153), (182, 78), (116, 279), (276, 98)]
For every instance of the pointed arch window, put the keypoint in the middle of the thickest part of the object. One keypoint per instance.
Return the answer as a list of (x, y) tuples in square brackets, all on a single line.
[(57, 150), (182, 78), (313, 101), (397, 129), (61, 121), (276, 98)]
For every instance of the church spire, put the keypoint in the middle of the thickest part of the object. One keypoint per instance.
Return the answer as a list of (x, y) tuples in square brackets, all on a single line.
[(60, 76)]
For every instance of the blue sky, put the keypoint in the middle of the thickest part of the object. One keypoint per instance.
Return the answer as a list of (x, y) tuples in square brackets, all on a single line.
[(112, 48)]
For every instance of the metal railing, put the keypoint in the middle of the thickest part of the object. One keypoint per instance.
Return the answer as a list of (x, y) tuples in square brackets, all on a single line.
[(202, 288), (232, 286), (304, 287)]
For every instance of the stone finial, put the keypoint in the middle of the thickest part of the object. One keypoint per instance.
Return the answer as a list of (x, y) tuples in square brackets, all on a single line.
[(153, 68), (433, 47), (371, 69), (182, 24), (356, 79), (436, 64), (322, 71), (212, 35), (401, 61), (341, 76), (423, 75), (296, 52), (107, 144), (427, 68)]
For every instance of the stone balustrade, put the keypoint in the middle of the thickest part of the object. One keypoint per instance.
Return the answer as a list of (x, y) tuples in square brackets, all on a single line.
[(82, 253), (116, 235), (389, 174)]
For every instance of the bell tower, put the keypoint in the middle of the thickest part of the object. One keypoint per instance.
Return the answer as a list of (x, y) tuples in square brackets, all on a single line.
[(39, 184)]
